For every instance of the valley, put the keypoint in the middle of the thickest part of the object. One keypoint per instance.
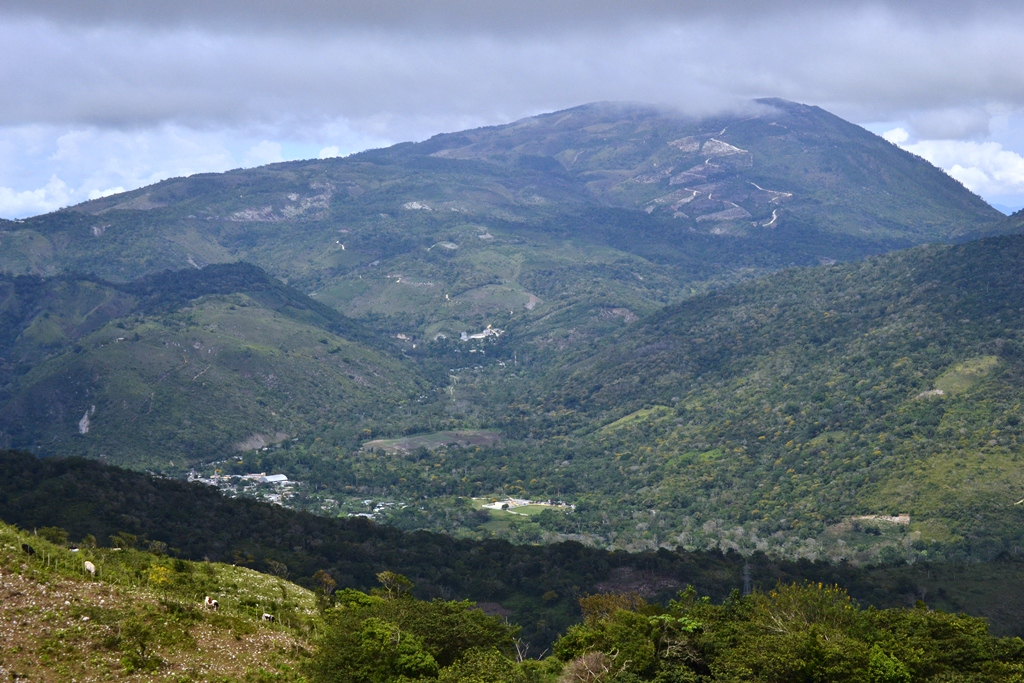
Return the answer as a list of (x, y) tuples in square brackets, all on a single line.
[(762, 333), (511, 342)]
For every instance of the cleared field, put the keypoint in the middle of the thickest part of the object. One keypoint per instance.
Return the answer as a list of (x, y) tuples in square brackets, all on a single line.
[(406, 444), (530, 510)]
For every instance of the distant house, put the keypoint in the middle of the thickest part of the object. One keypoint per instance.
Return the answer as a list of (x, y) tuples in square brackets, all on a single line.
[(273, 479), (488, 332)]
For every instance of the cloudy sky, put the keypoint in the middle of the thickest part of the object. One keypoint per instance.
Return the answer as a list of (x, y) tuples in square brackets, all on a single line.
[(99, 96)]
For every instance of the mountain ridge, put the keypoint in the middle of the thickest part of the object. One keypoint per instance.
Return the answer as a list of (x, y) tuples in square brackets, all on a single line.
[(210, 347), (497, 283)]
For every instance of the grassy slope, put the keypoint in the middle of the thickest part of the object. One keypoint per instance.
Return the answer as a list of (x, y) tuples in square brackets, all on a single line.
[(59, 624)]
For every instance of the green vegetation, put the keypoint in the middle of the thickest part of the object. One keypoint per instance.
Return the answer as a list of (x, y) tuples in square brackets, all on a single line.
[(466, 437), (535, 586), (141, 614), (808, 632), (183, 367), (632, 364), (640, 416), (805, 399), (765, 416), (965, 375), (389, 634), (768, 416)]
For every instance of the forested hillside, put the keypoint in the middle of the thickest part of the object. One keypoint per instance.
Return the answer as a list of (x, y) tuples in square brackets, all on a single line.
[(576, 310), (806, 399), (800, 413), (536, 587), (186, 367)]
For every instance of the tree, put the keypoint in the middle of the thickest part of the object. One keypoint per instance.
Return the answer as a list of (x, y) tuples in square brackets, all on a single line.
[(389, 635), (325, 587), (393, 585), (136, 637), (54, 535), (482, 665), (885, 669), (124, 540)]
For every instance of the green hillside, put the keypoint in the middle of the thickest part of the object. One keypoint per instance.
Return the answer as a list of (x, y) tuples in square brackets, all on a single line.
[(536, 587), (140, 616), (803, 414), (186, 367), (810, 405), (867, 412), (573, 309), (571, 221)]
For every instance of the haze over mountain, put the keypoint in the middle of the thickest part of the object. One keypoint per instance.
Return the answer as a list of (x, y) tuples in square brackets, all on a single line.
[(178, 88)]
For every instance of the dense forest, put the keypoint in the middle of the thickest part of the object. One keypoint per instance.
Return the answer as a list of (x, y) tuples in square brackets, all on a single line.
[(537, 586), (797, 632)]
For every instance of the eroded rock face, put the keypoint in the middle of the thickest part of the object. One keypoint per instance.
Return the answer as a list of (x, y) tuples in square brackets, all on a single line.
[(257, 441)]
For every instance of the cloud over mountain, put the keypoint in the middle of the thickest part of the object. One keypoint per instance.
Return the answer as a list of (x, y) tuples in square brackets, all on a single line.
[(314, 74)]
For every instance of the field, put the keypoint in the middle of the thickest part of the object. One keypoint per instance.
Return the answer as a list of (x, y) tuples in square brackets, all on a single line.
[(407, 444)]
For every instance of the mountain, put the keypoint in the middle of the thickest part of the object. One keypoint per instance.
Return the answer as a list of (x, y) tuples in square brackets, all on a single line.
[(187, 366), (577, 308), (561, 219)]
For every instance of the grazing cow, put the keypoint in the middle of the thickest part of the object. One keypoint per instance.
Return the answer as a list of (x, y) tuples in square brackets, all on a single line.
[(28, 549), (210, 603), (90, 568), (268, 617)]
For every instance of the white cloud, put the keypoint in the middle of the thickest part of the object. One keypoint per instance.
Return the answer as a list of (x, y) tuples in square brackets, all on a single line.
[(953, 123), (329, 152), (865, 61), (983, 167), (896, 136), (51, 196), (99, 194), (264, 152), (113, 94), (94, 162)]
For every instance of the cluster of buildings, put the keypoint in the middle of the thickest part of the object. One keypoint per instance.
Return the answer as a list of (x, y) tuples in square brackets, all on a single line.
[(249, 484)]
